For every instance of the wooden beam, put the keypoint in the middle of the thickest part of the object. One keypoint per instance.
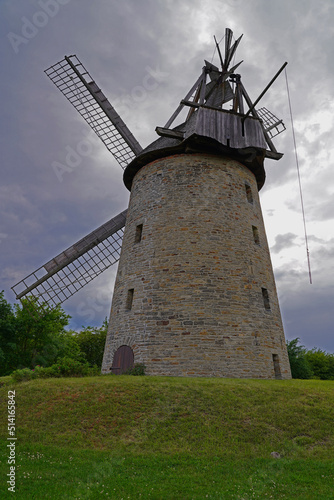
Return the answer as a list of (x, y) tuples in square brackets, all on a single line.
[(264, 91), (166, 132)]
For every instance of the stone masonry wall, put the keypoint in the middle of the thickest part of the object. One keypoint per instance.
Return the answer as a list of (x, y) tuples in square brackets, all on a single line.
[(196, 295)]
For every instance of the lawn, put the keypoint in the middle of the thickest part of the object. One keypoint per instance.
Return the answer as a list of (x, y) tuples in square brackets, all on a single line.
[(170, 438)]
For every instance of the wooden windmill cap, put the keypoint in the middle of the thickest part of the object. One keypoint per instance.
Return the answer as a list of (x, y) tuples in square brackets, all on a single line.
[(206, 132), (221, 120)]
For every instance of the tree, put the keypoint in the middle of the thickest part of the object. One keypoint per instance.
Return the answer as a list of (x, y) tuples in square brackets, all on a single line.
[(321, 363), (38, 336), (33, 335), (92, 341), (70, 348), (7, 337), (300, 367)]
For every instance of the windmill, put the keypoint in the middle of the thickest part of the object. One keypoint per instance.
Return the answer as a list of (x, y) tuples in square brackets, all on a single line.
[(195, 292)]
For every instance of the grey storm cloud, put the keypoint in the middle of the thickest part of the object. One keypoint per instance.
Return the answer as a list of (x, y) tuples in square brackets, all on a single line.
[(121, 44), (283, 241)]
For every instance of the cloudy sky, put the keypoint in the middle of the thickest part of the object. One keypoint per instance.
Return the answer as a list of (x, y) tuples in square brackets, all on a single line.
[(121, 43)]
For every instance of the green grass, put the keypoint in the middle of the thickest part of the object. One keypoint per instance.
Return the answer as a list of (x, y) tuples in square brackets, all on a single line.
[(171, 438)]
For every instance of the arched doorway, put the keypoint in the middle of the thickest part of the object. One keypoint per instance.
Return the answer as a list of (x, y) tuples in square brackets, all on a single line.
[(123, 360)]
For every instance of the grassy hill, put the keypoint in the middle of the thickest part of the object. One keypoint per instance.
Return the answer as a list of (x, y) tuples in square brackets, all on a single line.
[(171, 438)]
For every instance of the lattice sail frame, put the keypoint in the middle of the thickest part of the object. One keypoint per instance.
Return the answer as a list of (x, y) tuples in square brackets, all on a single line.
[(74, 268), (272, 125), (66, 274), (77, 85)]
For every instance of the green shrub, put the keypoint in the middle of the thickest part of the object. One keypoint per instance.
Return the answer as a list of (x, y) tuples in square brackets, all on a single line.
[(138, 369), (69, 367), (47, 372), (321, 363), (313, 363), (91, 341), (65, 367), (300, 367), (23, 374)]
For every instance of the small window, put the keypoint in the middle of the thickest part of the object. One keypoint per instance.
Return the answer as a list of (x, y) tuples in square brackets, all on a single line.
[(129, 299), (139, 232), (277, 368), (256, 235), (265, 296), (249, 193)]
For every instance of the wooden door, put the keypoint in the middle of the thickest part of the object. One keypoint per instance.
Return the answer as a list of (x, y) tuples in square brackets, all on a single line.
[(123, 360)]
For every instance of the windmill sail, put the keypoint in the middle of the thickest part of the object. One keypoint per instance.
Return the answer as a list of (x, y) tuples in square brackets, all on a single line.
[(272, 125), (71, 270), (74, 81)]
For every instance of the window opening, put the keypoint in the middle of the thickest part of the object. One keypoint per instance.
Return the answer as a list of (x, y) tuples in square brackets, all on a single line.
[(249, 193), (265, 296), (256, 235), (129, 299), (139, 232), (277, 368)]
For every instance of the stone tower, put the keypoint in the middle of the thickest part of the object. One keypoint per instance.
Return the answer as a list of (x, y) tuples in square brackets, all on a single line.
[(195, 292)]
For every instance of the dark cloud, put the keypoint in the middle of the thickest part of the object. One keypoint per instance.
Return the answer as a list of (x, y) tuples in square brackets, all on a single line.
[(307, 314), (120, 43), (283, 241)]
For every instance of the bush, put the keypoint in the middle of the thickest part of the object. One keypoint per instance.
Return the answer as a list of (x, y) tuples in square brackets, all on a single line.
[(313, 363), (65, 367), (47, 372), (23, 375), (138, 369), (321, 363), (71, 367), (300, 367), (91, 341)]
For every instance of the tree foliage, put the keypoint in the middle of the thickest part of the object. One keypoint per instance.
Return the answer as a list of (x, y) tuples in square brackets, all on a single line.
[(7, 337), (28, 339), (300, 367), (321, 363), (313, 363), (38, 338), (91, 341)]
